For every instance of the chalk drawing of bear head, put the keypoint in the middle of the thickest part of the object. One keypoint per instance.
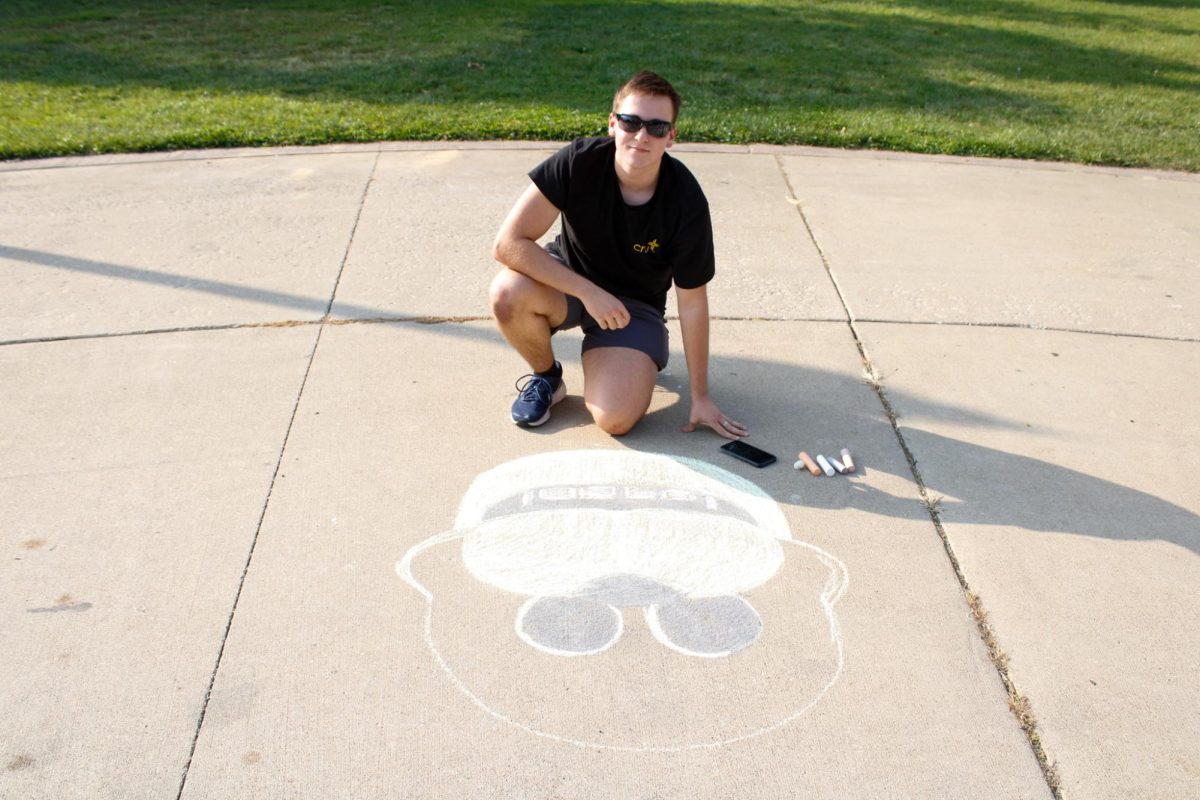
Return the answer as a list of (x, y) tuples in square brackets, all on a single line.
[(631, 601)]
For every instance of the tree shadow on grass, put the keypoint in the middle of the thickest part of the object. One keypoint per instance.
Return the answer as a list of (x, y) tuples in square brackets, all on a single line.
[(1104, 15), (930, 55)]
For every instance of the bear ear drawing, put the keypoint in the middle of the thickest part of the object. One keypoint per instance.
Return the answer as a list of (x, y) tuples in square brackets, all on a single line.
[(709, 627), (568, 626)]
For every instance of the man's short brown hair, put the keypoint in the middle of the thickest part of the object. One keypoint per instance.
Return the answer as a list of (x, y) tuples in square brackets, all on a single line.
[(649, 83)]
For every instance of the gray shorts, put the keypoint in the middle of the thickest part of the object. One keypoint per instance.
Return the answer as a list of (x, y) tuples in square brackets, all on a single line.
[(646, 331)]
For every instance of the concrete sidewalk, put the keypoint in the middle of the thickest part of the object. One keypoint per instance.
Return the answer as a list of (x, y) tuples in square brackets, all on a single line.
[(269, 533)]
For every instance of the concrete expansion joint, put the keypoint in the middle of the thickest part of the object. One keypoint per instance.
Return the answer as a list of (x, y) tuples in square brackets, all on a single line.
[(237, 597), (422, 319), (1029, 326), (362, 202), (730, 318), (458, 319), (237, 326), (1018, 704), (158, 331), (271, 487)]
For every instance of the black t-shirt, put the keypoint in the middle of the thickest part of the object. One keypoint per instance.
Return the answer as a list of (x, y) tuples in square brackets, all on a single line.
[(633, 251)]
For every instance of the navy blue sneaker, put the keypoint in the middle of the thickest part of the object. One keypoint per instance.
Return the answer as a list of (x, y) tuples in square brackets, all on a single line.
[(537, 395)]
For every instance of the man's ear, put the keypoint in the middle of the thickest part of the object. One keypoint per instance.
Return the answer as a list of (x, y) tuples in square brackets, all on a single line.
[(612, 122)]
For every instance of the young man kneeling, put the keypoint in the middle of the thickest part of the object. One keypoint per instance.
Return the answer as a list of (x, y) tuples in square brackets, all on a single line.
[(634, 220)]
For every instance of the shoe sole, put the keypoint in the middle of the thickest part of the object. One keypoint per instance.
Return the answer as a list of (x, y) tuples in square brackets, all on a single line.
[(555, 399)]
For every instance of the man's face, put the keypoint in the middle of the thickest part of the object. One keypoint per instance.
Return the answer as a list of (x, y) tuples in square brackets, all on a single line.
[(640, 149)]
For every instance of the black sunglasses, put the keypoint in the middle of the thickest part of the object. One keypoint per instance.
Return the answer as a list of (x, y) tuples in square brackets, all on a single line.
[(632, 123)]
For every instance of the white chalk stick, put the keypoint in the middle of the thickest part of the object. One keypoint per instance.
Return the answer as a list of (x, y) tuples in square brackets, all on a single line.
[(837, 465), (825, 465), (798, 465), (847, 460)]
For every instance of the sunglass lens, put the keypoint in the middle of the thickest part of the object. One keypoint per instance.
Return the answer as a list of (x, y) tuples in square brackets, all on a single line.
[(631, 123)]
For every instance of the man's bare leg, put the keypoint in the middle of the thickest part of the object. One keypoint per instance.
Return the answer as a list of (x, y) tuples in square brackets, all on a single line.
[(617, 384), (526, 312)]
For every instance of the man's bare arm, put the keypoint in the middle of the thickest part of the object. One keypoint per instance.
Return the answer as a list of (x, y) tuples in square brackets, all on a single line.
[(516, 247), (693, 323)]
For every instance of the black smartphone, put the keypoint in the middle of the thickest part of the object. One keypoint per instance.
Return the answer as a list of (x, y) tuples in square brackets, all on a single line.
[(748, 453)]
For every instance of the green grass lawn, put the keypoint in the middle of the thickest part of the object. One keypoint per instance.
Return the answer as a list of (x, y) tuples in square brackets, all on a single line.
[(1088, 81)]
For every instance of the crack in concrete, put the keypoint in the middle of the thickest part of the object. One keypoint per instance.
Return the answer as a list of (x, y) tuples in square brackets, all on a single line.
[(1029, 326), (1018, 704), (428, 319), (271, 488), (232, 326)]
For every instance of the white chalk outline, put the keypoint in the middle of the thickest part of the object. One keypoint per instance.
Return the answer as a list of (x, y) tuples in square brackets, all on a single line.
[(835, 587)]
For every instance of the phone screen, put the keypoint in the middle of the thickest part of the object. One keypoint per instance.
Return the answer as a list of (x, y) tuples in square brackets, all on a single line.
[(748, 453)]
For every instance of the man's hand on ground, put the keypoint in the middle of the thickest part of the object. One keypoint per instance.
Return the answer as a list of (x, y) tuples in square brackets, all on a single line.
[(705, 412)]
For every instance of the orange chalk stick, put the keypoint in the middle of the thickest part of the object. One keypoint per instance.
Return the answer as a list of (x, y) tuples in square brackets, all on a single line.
[(809, 464)]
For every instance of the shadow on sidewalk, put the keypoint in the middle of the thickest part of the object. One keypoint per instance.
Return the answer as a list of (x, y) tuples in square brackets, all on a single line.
[(308, 309), (981, 485), (816, 411)]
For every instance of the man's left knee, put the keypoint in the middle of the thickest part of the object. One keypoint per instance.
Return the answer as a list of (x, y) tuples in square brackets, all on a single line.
[(615, 423), (506, 293)]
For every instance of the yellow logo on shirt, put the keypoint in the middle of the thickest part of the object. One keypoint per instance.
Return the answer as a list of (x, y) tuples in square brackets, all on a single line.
[(649, 247)]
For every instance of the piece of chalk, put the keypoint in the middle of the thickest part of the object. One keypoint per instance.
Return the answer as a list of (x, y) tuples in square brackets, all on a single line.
[(809, 464), (837, 465), (825, 465), (847, 460), (798, 465)]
